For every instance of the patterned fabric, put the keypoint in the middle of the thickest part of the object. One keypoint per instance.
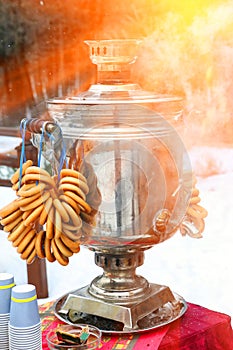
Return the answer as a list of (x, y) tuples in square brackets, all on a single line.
[(198, 329)]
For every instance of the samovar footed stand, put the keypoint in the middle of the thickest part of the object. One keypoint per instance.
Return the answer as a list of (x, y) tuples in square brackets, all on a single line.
[(122, 296)]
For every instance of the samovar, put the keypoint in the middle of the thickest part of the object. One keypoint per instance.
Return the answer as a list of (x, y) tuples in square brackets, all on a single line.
[(127, 143)]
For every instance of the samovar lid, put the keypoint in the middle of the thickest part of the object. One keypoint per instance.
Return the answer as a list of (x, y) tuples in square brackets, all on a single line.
[(114, 59)]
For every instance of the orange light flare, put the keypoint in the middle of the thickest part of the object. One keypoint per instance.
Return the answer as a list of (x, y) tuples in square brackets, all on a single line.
[(190, 53), (52, 60), (48, 76)]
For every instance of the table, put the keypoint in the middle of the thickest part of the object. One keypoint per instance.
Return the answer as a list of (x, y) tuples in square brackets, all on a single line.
[(198, 329)]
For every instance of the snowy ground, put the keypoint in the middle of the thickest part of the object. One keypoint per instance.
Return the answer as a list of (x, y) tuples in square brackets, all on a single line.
[(201, 270)]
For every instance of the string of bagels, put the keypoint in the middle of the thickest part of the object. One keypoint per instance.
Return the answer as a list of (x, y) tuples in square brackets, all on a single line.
[(54, 204), (44, 201)]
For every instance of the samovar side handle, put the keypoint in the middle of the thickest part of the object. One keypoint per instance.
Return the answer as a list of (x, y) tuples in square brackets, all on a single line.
[(36, 125)]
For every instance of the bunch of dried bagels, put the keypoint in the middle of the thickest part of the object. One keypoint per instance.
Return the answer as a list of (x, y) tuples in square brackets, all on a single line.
[(44, 201)]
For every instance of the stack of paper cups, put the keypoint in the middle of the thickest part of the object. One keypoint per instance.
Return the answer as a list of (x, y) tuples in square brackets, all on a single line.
[(25, 326), (6, 285)]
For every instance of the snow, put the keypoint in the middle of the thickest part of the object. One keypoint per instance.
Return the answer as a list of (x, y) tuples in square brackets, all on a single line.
[(198, 269), (7, 143)]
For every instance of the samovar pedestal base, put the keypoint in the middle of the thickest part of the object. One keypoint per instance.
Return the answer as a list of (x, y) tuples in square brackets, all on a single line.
[(158, 307)]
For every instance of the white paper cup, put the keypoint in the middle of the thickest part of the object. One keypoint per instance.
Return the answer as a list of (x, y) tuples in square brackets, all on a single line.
[(24, 310), (29, 329), (4, 333), (6, 285)]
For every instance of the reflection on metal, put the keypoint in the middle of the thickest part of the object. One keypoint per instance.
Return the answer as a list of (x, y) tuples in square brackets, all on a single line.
[(161, 221), (154, 311)]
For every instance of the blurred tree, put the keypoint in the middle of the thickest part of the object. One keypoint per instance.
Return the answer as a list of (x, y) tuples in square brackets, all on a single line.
[(42, 52)]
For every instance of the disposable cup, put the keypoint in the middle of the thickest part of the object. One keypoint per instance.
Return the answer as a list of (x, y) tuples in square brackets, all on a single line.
[(32, 338), (26, 339), (23, 347), (6, 284), (24, 310), (26, 335), (4, 316), (18, 343), (27, 330), (4, 320), (4, 339), (26, 344)]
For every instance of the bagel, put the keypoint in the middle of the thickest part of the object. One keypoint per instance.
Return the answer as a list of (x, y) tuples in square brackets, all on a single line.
[(47, 248), (70, 227), (27, 239), (17, 231), (71, 202), (23, 201), (57, 224), (74, 246), (9, 209), (15, 176), (9, 227), (40, 200), (73, 173), (195, 200), (8, 219), (36, 170), (40, 178), (31, 257), (39, 244), (17, 185), (84, 206), (63, 248), (202, 212), (28, 250), (195, 192), (34, 215), (16, 242), (75, 218), (50, 224), (195, 212), (70, 187), (60, 208), (36, 188), (74, 181), (25, 187), (53, 193), (26, 214), (61, 259), (44, 214), (71, 235)]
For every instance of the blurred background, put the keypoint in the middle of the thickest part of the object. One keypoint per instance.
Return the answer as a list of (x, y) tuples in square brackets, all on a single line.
[(187, 49)]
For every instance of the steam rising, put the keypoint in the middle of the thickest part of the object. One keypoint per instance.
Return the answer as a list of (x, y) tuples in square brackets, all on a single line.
[(194, 61)]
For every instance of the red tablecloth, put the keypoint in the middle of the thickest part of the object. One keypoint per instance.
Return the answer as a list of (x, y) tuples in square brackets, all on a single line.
[(198, 329)]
